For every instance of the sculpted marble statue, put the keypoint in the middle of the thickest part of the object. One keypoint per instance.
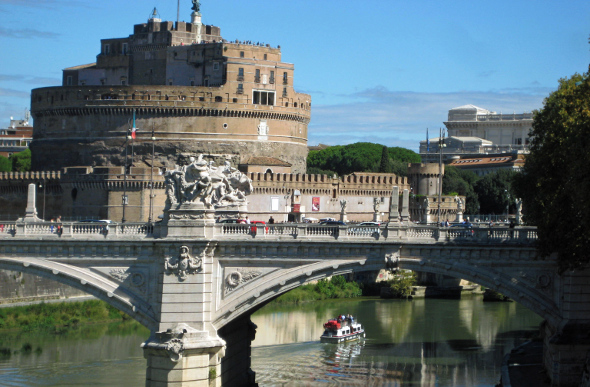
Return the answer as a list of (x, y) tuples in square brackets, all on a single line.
[(343, 204), (202, 182), (376, 204)]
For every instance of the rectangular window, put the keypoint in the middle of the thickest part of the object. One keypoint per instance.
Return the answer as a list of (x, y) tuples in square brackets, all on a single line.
[(272, 77), (240, 88), (240, 74), (215, 66), (124, 49), (274, 203), (263, 97), (69, 80), (123, 81), (107, 49), (285, 79), (257, 76), (241, 54)]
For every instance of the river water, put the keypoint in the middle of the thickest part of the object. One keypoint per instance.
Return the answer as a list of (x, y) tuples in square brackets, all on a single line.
[(421, 342)]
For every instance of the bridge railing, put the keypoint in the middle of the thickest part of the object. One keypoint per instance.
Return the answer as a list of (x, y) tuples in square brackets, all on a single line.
[(522, 235), (75, 229)]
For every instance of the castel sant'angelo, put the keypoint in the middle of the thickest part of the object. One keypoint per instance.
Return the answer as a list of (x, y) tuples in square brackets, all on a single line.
[(199, 93), (104, 139)]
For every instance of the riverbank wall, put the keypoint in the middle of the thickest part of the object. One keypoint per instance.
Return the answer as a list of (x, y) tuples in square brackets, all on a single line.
[(19, 287)]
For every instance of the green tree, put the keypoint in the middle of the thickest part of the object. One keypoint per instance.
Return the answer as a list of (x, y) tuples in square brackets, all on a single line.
[(495, 192), (462, 182), (21, 161), (360, 157), (5, 164), (555, 179)]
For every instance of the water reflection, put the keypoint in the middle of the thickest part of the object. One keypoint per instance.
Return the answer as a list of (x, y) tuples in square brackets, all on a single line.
[(98, 355), (423, 342)]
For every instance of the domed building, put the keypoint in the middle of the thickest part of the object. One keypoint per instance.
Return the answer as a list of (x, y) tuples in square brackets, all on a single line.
[(195, 91)]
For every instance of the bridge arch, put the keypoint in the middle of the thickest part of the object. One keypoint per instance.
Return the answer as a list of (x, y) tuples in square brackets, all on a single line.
[(111, 292), (519, 290)]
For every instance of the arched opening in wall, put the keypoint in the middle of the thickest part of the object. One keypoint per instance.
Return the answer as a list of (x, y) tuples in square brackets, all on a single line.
[(268, 170)]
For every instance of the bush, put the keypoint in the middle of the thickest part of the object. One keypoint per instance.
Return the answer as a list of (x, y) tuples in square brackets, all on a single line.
[(401, 285), (336, 287)]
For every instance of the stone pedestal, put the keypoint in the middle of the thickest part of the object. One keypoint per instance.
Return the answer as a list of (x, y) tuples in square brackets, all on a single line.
[(31, 211), (232, 212), (459, 217), (183, 356), (376, 217), (189, 220), (405, 215), (394, 207)]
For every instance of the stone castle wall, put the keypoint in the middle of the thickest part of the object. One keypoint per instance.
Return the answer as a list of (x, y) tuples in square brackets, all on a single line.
[(88, 125)]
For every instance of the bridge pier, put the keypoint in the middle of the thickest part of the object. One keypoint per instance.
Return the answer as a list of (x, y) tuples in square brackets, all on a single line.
[(567, 346), (183, 356), (235, 366)]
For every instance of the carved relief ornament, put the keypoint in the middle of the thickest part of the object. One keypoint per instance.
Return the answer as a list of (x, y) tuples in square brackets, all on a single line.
[(183, 265)]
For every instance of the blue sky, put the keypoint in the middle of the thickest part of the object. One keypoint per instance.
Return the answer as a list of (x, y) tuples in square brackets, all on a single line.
[(377, 70)]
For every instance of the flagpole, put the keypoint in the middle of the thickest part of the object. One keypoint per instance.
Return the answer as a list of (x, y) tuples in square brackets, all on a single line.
[(133, 134)]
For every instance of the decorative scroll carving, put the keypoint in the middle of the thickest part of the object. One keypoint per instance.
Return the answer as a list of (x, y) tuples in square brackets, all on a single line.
[(235, 278), (132, 278), (204, 183), (175, 348), (184, 264), (543, 281)]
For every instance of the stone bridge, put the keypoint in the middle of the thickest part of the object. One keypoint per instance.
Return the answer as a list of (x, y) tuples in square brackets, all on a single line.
[(196, 293)]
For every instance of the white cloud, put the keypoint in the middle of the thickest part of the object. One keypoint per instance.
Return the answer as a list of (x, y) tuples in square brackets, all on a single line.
[(397, 118)]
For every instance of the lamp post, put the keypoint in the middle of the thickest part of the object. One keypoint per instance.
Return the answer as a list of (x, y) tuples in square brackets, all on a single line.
[(150, 217), (441, 145), (507, 203)]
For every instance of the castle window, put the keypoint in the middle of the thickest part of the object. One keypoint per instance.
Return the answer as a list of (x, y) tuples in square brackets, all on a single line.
[(69, 80), (215, 66), (218, 98), (257, 76), (263, 97), (265, 57), (123, 81), (241, 54), (240, 88), (285, 79), (124, 49), (241, 74), (284, 91), (106, 49), (272, 77), (169, 81)]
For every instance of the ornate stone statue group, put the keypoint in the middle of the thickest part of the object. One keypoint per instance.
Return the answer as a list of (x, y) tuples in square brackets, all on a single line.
[(201, 182)]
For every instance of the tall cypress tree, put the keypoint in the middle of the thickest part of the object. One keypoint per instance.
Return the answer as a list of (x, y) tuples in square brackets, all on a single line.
[(384, 166)]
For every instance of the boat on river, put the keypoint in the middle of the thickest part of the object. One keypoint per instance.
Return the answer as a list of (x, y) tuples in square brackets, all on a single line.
[(340, 330)]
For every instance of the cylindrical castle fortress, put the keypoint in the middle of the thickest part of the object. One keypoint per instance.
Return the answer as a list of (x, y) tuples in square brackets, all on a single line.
[(197, 92)]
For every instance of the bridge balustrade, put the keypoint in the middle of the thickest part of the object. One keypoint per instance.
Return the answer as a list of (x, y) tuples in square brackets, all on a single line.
[(75, 229), (520, 235)]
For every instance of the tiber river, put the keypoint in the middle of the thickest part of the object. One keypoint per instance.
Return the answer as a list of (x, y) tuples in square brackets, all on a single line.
[(421, 342)]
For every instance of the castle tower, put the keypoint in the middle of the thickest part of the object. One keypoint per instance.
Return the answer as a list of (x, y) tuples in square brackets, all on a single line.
[(199, 92)]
